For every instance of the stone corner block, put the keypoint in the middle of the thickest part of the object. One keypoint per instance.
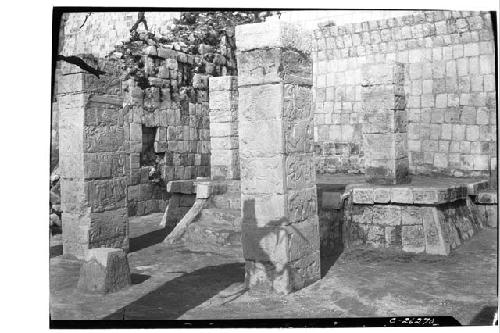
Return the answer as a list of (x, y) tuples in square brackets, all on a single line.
[(203, 190), (272, 34), (105, 270)]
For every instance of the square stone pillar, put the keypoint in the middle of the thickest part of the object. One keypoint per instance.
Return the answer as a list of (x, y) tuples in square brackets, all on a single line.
[(223, 113), (280, 230), (94, 163), (384, 124)]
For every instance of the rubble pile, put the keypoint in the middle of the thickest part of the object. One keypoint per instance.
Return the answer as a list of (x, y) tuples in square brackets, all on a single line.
[(55, 202)]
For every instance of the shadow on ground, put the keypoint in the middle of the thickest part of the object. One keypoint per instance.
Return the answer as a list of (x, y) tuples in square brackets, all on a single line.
[(484, 317), (149, 239), (181, 294), (137, 278), (327, 261)]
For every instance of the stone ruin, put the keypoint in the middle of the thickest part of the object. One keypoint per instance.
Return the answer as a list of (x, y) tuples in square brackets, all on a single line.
[(316, 142)]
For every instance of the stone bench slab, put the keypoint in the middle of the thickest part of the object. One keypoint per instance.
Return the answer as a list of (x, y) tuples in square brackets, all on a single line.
[(413, 194)]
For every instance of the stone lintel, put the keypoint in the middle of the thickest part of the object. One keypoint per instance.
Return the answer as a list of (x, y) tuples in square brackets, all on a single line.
[(181, 186)]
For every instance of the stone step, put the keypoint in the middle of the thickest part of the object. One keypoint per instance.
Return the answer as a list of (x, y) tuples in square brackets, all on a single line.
[(214, 229)]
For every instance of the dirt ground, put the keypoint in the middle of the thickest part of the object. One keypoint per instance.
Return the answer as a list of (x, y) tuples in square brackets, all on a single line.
[(171, 282)]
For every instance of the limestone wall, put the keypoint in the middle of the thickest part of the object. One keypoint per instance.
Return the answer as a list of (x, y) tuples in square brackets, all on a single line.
[(167, 106), (450, 90)]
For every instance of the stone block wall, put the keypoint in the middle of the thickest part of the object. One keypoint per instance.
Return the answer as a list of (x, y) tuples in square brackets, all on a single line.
[(449, 59), (223, 103), (102, 31), (94, 161), (167, 105), (165, 84)]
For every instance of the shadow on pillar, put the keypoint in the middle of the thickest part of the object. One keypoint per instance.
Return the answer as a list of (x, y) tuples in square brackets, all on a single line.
[(264, 273)]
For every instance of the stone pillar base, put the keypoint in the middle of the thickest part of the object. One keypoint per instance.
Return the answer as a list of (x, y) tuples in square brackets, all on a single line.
[(105, 270)]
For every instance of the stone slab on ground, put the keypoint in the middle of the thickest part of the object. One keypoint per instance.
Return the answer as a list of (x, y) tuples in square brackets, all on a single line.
[(104, 270)]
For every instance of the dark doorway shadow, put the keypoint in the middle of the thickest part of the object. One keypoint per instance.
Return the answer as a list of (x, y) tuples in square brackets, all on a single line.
[(56, 250), (181, 294), (328, 261), (484, 317), (332, 224), (149, 239), (137, 278)]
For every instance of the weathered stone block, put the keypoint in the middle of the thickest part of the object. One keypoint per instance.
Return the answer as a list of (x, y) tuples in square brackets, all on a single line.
[(411, 215), (401, 195), (413, 239), (305, 271), (434, 242), (492, 215), (383, 73), (260, 103), (261, 138), (203, 190), (487, 197), (273, 34), (109, 229), (75, 234), (362, 214), (273, 66), (363, 195), (375, 236), (223, 83), (300, 172), (393, 237), (104, 270), (387, 215), (223, 100), (301, 204), (425, 195), (262, 175)]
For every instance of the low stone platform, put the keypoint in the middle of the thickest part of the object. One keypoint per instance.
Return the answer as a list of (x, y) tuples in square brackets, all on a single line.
[(430, 215)]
